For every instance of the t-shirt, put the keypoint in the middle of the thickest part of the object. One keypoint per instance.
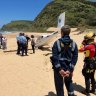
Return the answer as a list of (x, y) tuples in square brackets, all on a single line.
[(33, 41)]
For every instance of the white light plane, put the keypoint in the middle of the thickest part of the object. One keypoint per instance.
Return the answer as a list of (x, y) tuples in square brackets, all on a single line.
[(46, 39)]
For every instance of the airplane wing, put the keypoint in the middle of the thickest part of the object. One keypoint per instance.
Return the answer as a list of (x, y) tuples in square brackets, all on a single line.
[(45, 40)]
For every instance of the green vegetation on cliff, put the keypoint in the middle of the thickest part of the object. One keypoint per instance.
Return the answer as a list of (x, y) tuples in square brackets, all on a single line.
[(79, 13), (20, 25)]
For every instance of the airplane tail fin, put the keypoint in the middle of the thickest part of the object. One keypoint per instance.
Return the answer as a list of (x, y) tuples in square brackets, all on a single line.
[(61, 20)]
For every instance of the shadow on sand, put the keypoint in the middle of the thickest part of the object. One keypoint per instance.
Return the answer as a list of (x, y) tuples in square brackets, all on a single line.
[(78, 87), (9, 51), (41, 48), (5, 51), (45, 49), (51, 94), (47, 54)]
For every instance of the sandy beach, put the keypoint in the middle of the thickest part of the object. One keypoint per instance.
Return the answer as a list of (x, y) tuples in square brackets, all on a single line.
[(33, 75)]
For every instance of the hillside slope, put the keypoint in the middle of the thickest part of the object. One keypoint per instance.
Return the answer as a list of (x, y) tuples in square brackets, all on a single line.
[(20, 25), (78, 13)]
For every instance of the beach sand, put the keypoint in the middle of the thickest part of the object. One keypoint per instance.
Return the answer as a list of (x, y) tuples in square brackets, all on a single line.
[(33, 75)]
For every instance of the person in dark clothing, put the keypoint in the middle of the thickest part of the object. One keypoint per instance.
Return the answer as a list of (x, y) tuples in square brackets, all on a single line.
[(33, 43), (28, 39), (64, 58), (1, 36), (23, 42), (18, 43), (88, 71)]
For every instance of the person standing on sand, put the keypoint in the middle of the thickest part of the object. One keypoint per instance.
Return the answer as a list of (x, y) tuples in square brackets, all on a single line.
[(88, 71), (4, 43), (33, 43), (1, 36), (28, 39), (23, 42), (18, 43), (64, 58)]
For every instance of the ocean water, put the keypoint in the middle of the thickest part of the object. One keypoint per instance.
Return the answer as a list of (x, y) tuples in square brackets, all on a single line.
[(92, 0), (5, 32)]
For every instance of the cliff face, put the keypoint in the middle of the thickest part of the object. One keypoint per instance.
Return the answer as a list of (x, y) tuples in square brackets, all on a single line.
[(78, 13)]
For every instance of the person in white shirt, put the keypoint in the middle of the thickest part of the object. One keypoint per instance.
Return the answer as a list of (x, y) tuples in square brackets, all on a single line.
[(4, 43)]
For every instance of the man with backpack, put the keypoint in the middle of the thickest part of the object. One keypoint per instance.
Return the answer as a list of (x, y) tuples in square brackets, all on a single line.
[(88, 71), (64, 58)]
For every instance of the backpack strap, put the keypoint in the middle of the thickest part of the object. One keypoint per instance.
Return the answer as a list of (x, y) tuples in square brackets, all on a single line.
[(73, 45), (58, 45)]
